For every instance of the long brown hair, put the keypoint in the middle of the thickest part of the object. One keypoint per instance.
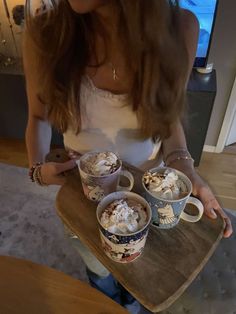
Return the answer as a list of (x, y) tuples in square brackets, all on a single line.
[(154, 48)]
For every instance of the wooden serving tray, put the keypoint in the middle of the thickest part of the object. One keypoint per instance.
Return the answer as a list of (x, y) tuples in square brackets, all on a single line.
[(171, 258)]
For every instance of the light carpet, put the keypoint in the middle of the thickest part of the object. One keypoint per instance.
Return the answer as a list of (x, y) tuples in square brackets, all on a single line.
[(29, 225), (31, 229)]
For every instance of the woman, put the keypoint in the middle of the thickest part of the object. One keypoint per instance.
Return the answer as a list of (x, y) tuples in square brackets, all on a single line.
[(112, 75)]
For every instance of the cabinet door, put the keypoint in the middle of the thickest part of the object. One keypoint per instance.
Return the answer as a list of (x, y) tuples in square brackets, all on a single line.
[(199, 112), (200, 96), (13, 106), (14, 109)]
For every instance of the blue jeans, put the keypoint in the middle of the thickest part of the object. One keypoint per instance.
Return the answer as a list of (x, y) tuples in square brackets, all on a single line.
[(101, 279), (114, 290)]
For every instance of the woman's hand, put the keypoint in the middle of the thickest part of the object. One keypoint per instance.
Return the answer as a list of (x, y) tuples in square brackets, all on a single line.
[(211, 205), (202, 191), (53, 172), (173, 146)]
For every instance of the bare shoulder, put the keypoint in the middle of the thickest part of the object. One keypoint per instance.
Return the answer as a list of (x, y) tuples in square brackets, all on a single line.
[(189, 18), (189, 23), (190, 29)]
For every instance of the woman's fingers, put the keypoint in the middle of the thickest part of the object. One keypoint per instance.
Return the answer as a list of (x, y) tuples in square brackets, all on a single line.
[(212, 207), (210, 213), (52, 173), (68, 165), (228, 228), (59, 180), (228, 225), (209, 206)]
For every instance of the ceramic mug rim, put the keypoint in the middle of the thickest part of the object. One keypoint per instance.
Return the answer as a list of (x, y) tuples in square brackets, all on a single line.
[(134, 197), (96, 152), (156, 169)]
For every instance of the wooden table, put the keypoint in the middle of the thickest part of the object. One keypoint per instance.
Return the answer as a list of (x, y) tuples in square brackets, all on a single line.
[(29, 288), (171, 258)]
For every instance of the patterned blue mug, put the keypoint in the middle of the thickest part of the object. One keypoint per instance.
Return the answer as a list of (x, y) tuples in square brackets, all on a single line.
[(123, 248), (166, 213)]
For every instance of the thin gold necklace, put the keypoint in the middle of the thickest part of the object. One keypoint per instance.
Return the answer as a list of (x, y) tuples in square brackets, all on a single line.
[(114, 72)]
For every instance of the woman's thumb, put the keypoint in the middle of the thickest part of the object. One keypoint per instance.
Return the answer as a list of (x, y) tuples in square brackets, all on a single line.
[(211, 213), (68, 165)]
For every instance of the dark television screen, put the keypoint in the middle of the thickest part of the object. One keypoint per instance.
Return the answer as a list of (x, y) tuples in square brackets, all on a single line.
[(205, 11)]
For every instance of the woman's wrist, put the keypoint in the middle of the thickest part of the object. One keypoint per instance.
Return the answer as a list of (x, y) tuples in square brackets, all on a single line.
[(180, 154), (32, 170), (184, 165), (35, 174)]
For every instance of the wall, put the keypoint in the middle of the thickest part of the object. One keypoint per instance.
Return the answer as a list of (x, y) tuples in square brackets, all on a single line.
[(223, 54)]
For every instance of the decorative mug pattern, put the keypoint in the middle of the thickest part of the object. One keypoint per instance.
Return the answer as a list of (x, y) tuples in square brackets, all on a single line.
[(164, 214), (123, 248), (167, 213), (96, 187)]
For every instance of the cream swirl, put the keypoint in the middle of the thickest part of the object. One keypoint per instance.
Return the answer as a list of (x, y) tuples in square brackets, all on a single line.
[(124, 217)]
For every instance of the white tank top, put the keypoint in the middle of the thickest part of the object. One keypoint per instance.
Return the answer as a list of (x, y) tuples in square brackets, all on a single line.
[(109, 124)]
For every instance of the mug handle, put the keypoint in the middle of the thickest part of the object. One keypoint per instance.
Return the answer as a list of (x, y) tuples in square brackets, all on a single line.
[(130, 177), (199, 205)]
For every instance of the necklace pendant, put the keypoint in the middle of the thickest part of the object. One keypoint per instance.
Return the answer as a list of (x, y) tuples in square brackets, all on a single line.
[(115, 76)]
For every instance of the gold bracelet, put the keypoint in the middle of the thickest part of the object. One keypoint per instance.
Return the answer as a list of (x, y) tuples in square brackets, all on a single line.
[(177, 154), (177, 151), (179, 158)]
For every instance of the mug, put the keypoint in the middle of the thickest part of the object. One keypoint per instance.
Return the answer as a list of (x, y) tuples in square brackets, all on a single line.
[(96, 187), (166, 213), (123, 248)]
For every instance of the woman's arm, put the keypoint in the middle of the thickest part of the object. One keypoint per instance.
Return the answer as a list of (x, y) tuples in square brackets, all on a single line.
[(38, 131), (175, 145), (190, 27), (38, 138), (200, 189)]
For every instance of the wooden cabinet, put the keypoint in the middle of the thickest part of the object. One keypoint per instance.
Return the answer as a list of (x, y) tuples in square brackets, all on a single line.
[(14, 108), (200, 99)]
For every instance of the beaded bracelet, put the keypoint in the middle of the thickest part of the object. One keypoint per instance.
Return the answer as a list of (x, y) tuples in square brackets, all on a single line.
[(35, 174), (38, 177), (32, 170)]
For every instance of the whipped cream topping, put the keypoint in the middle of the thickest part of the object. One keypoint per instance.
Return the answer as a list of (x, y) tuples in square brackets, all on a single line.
[(124, 216), (166, 185), (101, 164)]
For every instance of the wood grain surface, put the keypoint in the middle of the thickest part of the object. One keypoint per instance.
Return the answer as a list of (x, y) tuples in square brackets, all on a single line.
[(29, 288), (171, 258)]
